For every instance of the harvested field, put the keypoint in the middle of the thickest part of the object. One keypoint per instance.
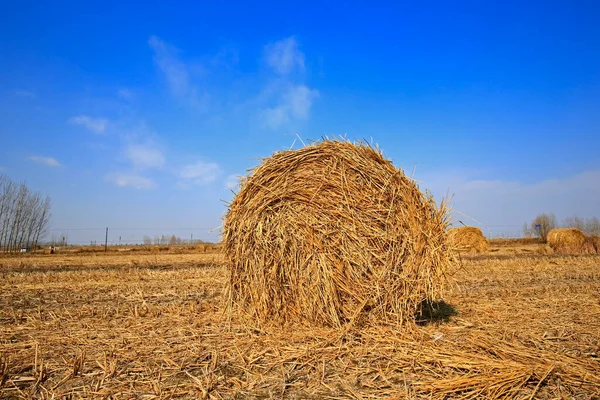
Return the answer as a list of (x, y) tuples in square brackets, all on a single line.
[(520, 324)]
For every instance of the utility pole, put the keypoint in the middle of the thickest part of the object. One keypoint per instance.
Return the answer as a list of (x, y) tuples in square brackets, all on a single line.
[(191, 238), (106, 241)]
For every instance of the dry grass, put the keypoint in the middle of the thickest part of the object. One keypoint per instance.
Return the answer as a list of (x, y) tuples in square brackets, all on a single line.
[(519, 325), (333, 234), (571, 241), (468, 239)]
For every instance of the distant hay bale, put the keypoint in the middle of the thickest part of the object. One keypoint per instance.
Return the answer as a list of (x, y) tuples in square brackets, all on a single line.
[(571, 241), (595, 241), (332, 234), (468, 238)]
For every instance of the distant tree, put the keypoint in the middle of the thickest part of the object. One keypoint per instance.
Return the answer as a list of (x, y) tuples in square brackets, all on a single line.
[(64, 239), (592, 226), (542, 224), (147, 240), (574, 222), (527, 230), (24, 215), (173, 240)]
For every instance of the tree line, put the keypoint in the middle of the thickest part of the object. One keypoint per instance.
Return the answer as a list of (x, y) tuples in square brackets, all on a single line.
[(169, 240), (544, 223), (24, 216)]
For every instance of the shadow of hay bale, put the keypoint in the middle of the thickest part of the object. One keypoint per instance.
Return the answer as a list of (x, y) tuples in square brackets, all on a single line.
[(434, 311), (333, 234)]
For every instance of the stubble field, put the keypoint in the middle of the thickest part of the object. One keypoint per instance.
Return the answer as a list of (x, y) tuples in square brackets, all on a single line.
[(519, 324)]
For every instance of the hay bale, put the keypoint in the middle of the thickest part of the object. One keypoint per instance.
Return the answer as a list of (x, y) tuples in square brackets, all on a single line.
[(595, 241), (468, 239), (332, 234), (570, 241)]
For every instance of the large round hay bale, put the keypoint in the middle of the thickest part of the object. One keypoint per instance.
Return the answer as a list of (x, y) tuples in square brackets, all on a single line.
[(468, 239), (332, 234), (570, 241)]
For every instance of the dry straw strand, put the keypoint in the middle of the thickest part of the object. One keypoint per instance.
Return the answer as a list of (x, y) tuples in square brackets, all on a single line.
[(332, 234)]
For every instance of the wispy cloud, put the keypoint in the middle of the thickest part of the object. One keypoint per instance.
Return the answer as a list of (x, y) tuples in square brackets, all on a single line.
[(503, 206), (144, 156), (134, 181), (299, 100), (232, 181), (177, 73), (288, 97), (96, 125), (293, 103), (200, 173), (49, 161), (125, 94), (274, 117), (284, 56), (25, 93)]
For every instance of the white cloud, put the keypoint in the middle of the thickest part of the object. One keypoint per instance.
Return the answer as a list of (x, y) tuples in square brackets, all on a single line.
[(131, 180), (503, 206), (232, 181), (177, 73), (200, 172), (275, 117), (144, 156), (294, 103), (25, 93), (96, 125), (285, 98), (49, 161), (125, 94), (299, 99), (284, 56)]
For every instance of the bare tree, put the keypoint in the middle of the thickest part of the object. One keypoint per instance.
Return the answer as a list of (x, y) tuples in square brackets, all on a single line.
[(542, 224), (43, 221), (592, 226), (24, 215), (574, 222), (527, 230)]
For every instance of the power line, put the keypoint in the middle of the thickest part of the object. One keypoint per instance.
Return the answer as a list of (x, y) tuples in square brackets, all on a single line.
[(135, 229)]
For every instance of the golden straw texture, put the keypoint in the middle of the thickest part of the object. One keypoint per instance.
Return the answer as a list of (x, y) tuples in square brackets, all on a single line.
[(468, 238), (570, 241), (334, 234)]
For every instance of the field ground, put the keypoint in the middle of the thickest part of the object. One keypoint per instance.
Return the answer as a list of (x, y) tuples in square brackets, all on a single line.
[(519, 324)]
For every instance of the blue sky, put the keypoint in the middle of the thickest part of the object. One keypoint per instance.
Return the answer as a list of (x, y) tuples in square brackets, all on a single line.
[(139, 117)]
